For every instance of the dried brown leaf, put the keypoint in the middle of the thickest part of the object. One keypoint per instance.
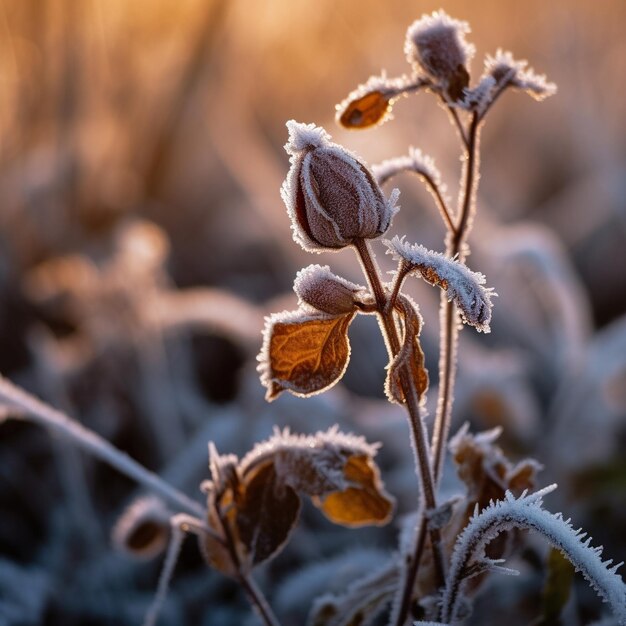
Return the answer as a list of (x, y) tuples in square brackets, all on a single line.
[(304, 352), (364, 502), (267, 512), (410, 355)]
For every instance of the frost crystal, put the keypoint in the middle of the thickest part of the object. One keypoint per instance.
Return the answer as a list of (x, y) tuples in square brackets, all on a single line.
[(508, 72), (303, 136), (459, 282), (324, 454), (480, 97)]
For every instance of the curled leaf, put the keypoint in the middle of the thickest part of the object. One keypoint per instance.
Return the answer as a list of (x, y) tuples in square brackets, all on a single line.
[(461, 285), (303, 352), (410, 355)]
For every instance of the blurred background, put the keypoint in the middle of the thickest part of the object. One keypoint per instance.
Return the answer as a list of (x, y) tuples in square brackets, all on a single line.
[(143, 239)]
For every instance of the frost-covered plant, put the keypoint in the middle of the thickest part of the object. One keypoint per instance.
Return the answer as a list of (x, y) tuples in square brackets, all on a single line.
[(252, 504), (334, 202)]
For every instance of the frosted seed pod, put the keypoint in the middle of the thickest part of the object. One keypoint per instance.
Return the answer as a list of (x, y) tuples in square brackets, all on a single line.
[(331, 197), (318, 287), (436, 44)]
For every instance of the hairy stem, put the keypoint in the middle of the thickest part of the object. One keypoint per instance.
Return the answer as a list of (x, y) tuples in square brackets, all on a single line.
[(449, 325), (422, 460), (37, 411)]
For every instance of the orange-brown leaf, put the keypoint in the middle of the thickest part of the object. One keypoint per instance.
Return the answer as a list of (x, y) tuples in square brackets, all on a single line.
[(410, 355), (364, 502), (304, 353), (368, 110)]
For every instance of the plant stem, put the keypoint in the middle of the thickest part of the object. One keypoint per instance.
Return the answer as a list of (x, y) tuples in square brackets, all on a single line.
[(440, 201), (422, 457), (37, 411), (255, 595), (449, 326)]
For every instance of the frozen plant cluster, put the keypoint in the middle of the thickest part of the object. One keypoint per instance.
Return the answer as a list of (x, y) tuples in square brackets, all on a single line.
[(272, 518)]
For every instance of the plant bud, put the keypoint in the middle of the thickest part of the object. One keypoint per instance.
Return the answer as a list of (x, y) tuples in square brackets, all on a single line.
[(436, 44), (318, 287), (331, 197)]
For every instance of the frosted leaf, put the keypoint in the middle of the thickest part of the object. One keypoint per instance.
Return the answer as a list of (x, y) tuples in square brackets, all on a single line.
[(318, 287), (526, 512), (508, 72), (304, 352), (333, 468), (436, 44), (370, 103), (461, 285)]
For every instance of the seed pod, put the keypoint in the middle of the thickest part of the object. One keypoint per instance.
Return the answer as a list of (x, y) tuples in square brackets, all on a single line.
[(331, 197), (318, 287), (436, 44)]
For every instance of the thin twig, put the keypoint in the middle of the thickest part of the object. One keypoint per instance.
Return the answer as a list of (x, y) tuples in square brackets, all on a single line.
[(457, 122), (37, 411), (442, 205)]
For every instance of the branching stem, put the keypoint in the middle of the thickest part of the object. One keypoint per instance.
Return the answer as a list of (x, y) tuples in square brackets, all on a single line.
[(449, 326), (423, 462)]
